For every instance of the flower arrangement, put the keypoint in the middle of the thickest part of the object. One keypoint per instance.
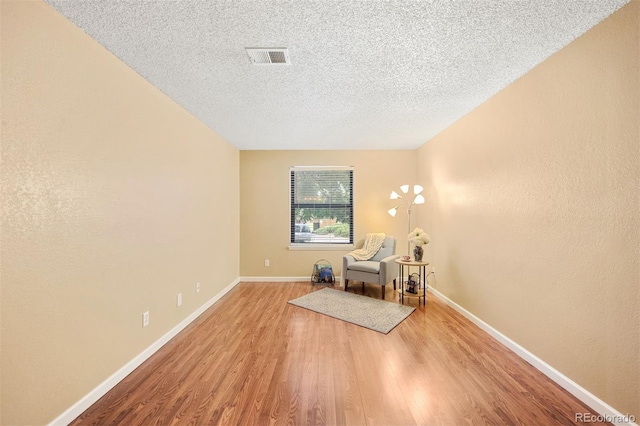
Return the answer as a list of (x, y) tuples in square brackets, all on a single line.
[(418, 237)]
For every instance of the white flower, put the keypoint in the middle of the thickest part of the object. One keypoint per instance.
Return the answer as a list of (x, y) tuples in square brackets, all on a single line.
[(418, 237)]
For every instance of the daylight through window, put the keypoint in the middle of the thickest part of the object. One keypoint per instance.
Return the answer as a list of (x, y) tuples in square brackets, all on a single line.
[(321, 205)]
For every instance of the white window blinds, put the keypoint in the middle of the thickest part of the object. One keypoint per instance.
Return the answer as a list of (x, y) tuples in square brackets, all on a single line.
[(321, 205)]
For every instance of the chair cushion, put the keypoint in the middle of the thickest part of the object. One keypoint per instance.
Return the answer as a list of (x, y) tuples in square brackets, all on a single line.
[(366, 266)]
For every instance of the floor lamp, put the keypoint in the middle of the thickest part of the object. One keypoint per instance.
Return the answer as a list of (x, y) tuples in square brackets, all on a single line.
[(417, 199)]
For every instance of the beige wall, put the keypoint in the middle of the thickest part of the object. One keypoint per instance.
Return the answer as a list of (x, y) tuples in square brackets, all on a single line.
[(114, 199), (264, 205), (533, 208)]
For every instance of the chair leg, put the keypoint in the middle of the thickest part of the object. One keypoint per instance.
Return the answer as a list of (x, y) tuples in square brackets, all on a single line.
[(394, 283), (362, 287), (383, 292), (346, 284)]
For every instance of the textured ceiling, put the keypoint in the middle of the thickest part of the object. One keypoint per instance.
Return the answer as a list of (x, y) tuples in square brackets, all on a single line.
[(364, 74)]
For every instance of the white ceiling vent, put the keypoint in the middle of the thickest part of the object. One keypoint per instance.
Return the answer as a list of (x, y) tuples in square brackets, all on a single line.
[(270, 56)]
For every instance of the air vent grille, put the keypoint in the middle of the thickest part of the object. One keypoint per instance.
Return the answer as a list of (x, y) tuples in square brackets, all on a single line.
[(270, 56)]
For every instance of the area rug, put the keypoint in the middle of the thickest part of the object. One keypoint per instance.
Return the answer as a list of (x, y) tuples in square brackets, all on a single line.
[(373, 314)]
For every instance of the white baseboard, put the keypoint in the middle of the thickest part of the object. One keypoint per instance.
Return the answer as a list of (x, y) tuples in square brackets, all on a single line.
[(282, 279), (274, 279), (79, 407), (608, 413)]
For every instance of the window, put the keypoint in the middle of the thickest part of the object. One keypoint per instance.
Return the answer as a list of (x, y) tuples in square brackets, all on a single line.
[(321, 205)]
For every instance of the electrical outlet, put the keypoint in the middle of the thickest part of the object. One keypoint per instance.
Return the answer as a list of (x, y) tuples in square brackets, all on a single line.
[(266, 262), (179, 299), (197, 287), (145, 319)]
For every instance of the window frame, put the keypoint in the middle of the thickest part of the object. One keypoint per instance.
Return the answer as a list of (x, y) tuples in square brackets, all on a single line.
[(293, 205)]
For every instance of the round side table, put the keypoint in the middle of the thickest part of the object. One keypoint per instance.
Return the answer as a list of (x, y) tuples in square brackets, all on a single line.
[(404, 270)]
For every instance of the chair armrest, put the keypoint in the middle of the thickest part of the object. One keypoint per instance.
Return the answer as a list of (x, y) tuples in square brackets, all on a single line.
[(388, 269), (346, 261)]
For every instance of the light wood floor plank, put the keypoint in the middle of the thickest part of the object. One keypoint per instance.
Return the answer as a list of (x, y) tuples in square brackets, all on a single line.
[(253, 359)]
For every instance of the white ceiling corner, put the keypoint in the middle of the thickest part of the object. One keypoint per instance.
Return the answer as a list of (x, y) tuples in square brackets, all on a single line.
[(363, 74)]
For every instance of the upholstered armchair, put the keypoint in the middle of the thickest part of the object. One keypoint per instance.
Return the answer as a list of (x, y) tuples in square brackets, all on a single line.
[(380, 270)]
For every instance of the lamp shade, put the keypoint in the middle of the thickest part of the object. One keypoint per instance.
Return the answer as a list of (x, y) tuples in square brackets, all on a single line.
[(419, 199), (393, 211), (417, 189), (394, 195), (404, 188)]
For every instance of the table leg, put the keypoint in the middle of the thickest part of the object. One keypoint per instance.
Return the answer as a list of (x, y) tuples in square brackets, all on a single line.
[(424, 285), (402, 284)]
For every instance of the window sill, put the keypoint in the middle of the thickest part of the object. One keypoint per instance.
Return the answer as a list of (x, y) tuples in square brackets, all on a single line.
[(321, 247)]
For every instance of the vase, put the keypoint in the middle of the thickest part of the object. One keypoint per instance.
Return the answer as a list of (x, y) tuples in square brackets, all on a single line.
[(417, 253)]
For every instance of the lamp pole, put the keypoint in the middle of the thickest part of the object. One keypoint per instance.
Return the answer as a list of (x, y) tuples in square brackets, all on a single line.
[(409, 228)]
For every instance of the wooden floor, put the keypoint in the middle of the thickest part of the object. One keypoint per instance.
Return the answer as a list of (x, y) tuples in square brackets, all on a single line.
[(253, 359)]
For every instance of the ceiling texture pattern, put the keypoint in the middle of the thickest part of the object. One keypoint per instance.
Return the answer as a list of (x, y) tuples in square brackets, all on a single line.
[(363, 74)]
